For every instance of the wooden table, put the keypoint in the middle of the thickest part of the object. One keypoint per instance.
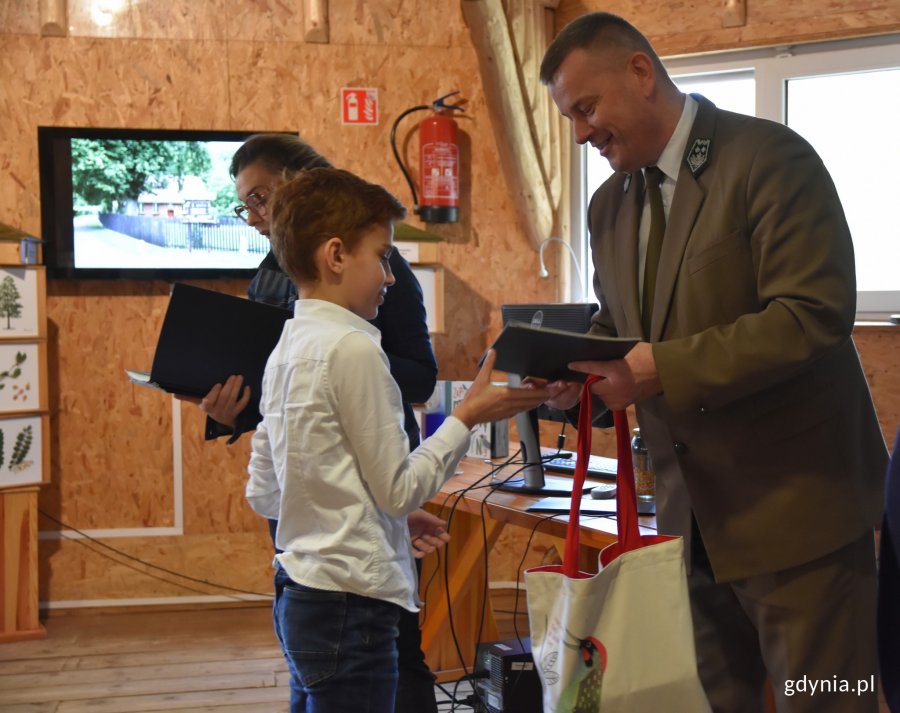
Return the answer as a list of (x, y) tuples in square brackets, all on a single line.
[(473, 535)]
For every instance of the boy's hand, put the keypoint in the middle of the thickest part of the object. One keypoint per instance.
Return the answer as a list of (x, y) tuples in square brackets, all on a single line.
[(485, 402), (225, 401), (427, 532)]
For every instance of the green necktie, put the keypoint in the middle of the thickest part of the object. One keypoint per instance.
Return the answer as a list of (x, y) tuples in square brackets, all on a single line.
[(654, 177)]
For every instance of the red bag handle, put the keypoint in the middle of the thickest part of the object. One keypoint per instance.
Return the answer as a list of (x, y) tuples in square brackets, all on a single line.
[(626, 498)]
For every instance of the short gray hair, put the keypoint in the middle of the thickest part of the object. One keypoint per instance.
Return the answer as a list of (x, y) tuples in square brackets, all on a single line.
[(594, 30)]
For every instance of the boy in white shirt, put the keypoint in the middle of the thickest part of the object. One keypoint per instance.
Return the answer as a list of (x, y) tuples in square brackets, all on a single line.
[(330, 460)]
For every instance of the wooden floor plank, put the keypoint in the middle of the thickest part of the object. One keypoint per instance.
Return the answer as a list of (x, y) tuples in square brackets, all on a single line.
[(162, 656), (265, 700), (174, 684), (240, 708), (125, 632), (217, 660), (226, 661), (130, 672)]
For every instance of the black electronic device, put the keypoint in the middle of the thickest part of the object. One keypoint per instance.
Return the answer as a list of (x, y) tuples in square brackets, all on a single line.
[(143, 204), (598, 466), (506, 680), (576, 318)]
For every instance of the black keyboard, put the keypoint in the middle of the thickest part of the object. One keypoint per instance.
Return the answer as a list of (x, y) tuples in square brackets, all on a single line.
[(598, 466)]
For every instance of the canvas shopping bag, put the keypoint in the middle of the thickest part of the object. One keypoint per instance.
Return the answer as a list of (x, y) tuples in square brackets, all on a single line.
[(620, 641)]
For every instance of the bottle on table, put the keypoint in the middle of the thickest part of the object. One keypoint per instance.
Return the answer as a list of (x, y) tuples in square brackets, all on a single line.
[(644, 480)]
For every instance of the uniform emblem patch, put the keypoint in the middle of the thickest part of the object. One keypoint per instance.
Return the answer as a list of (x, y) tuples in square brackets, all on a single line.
[(699, 155)]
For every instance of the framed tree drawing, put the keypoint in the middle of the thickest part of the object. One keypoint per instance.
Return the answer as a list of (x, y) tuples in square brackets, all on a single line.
[(22, 450), (21, 302)]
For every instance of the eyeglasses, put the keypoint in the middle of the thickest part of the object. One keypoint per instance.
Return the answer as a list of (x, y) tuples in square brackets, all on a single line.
[(255, 202)]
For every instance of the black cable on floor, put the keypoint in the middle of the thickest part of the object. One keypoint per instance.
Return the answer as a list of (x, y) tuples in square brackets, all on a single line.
[(85, 536)]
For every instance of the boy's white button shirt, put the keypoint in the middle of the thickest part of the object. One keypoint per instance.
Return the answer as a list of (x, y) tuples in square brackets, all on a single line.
[(331, 462)]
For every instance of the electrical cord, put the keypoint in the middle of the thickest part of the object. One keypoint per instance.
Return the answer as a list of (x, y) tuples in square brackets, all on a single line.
[(475, 697), (472, 698), (457, 497), (493, 485), (460, 494), (452, 699), (85, 538)]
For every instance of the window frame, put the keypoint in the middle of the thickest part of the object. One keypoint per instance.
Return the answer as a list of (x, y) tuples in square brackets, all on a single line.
[(772, 68)]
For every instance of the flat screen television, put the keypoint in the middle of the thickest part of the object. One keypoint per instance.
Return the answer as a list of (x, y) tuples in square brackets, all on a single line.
[(142, 204)]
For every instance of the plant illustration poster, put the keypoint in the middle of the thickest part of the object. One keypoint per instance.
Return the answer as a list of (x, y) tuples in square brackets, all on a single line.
[(19, 377), (18, 302), (20, 451)]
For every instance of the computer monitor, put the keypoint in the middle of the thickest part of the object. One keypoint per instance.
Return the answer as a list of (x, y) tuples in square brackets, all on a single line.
[(575, 317)]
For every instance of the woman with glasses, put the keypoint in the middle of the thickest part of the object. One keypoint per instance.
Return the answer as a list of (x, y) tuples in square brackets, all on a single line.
[(258, 167)]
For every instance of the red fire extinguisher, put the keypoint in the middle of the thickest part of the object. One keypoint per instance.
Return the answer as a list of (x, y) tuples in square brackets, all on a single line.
[(438, 162)]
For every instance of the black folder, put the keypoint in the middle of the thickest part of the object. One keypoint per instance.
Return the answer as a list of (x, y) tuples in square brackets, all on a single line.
[(207, 336), (545, 352)]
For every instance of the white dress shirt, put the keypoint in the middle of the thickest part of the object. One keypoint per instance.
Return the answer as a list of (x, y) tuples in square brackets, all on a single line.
[(331, 462)]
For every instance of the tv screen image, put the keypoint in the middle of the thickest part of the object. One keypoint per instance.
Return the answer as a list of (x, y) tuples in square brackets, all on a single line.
[(143, 203)]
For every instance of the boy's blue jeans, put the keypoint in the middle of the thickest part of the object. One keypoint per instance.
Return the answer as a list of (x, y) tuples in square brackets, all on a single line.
[(340, 648)]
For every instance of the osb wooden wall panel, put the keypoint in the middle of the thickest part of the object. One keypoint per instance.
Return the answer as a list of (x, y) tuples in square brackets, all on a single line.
[(694, 27), (879, 351), (223, 65), (111, 460), (91, 572), (242, 66)]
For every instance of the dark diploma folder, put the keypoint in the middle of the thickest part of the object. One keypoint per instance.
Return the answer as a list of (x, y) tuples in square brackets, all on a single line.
[(545, 352), (207, 336)]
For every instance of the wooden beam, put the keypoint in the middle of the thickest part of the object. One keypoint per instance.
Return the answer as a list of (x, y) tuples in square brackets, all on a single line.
[(734, 13), (53, 18), (315, 21), (19, 566), (511, 114)]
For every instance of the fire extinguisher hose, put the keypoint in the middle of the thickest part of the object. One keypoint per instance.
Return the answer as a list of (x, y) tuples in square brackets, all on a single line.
[(400, 163)]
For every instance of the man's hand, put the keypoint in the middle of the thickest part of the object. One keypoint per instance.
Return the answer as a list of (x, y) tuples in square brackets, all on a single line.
[(427, 532), (225, 401), (624, 381)]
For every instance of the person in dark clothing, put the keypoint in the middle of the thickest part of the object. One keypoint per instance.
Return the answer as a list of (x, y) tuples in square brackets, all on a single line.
[(263, 163)]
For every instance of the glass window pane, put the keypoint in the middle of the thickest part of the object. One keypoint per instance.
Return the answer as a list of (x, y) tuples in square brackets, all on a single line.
[(851, 121), (734, 90)]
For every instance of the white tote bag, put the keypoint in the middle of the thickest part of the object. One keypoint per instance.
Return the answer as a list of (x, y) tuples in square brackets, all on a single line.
[(620, 641)]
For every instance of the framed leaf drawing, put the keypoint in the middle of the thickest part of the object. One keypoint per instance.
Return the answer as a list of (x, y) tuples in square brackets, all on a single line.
[(22, 450), (22, 376)]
